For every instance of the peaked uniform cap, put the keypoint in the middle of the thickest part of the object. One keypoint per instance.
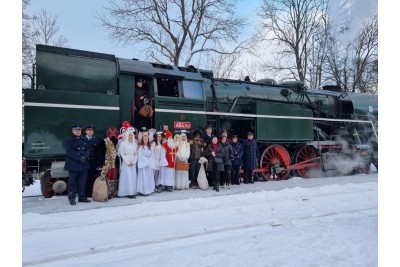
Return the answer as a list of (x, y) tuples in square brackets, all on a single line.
[(76, 127), (89, 127)]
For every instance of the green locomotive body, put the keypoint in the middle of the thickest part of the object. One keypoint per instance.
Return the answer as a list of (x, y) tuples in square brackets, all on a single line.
[(297, 129)]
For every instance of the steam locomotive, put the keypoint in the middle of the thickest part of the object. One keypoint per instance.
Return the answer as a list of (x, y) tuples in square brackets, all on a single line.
[(299, 131)]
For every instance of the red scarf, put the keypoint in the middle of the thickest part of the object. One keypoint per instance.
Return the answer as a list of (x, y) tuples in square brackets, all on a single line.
[(215, 147)]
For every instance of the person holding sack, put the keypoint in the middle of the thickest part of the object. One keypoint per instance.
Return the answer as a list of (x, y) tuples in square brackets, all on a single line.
[(110, 159), (215, 155)]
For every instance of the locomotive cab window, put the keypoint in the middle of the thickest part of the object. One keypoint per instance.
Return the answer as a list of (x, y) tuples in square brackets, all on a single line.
[(192, 89), (168, 87)]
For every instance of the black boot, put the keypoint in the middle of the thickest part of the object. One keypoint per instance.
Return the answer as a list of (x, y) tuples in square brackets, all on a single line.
[(72, 201), (83, 199)]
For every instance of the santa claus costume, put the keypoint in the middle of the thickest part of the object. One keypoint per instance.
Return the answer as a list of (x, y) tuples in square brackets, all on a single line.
[(182, 177), (128, 152), (168, 157), (145, 184)]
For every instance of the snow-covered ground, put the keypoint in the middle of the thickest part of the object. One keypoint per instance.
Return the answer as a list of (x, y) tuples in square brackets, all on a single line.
[(299, 222)]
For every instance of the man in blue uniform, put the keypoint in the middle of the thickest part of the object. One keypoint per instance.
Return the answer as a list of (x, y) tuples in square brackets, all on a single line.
[(78, 151), (250, 152), (93, 159)]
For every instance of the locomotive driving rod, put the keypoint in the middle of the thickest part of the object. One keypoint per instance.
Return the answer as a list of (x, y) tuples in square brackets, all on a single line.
[(296, 166)]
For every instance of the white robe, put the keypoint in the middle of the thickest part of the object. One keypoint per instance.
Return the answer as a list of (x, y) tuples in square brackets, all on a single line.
[(182, 177), (157, 157), (128, 177), (146, 166), (167, 175)]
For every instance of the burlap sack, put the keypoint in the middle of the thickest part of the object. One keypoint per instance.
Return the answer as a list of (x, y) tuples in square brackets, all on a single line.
[(202, 178), (146, 111), (100, 190)]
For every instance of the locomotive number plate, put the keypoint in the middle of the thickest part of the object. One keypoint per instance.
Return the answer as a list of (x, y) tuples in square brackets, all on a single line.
[(182, 125)]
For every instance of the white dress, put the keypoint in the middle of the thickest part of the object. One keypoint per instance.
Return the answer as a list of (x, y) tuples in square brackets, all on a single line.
[(128, 177), (157, 156), (167, 175), (182, 177), (145, 183)]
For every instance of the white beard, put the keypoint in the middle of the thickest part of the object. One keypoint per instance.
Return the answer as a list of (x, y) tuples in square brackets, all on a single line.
[(171, 143)]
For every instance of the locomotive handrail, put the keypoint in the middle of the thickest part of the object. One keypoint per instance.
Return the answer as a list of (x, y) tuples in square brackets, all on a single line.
[(250, 97)]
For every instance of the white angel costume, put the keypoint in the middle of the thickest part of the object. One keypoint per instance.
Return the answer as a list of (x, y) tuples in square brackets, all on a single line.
[(182, 177), (157, 157), (128, 178), (145, 184)]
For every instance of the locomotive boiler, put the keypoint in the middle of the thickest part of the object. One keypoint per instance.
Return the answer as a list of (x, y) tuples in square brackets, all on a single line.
[(299, 131)]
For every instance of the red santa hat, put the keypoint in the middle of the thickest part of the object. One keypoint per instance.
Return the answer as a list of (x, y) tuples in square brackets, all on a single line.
[(168, 134), (125, 126)]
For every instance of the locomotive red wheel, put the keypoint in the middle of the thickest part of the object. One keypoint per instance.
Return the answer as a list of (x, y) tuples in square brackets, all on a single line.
[(53, 186), (305, 153), (275, 156)]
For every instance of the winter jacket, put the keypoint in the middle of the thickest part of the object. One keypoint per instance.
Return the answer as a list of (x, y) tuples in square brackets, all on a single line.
[(237, 153), (228, 153), (220, 154), (75, 149), (94, 152), (250, 152)]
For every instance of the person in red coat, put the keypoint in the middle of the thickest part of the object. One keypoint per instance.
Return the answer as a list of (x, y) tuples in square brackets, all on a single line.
[(167, 162)]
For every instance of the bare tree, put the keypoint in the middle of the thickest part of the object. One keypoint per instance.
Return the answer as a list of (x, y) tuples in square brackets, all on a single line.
[(338, 64), (173, 30), (41, 28), (366, 56), (291, 25), (46, 30), (228, 63), (354, 66), (27, 46), (223, 65)]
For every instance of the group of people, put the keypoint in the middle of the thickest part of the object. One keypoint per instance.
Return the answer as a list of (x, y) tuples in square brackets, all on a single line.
[(141, 163), (225, 158)]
